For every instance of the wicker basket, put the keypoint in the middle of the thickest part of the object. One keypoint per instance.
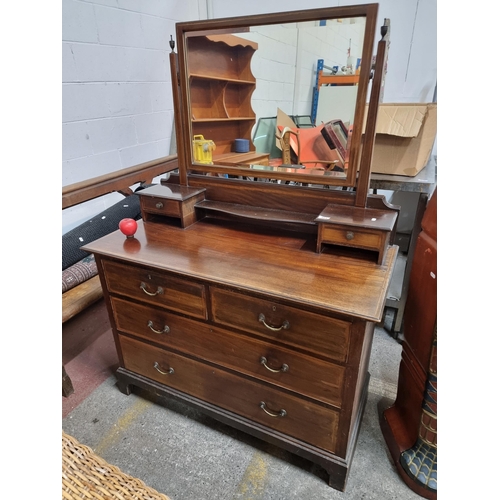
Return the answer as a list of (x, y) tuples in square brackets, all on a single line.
[(87, 476)]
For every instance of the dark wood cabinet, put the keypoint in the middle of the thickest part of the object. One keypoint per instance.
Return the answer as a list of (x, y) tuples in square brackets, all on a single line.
[(225, 299), (246, 330), (412, 418)]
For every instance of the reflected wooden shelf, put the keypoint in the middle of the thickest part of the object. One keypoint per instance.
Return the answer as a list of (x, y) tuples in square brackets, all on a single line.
[(201, 76), (250, 158), (221, 87), (225, 119), (338, 79)]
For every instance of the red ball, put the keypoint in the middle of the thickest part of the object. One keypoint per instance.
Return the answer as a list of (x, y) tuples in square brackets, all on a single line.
[(128, 227)]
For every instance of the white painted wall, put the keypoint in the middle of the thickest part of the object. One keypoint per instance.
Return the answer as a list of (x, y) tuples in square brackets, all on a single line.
[(116, 94), (117, 106), (286, 62), (412, 61)]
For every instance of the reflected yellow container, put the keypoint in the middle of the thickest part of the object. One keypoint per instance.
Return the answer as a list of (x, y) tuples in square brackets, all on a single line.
[(202, 150)]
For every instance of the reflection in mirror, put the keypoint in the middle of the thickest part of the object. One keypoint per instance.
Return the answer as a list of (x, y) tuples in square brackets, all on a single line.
[(278, 96)]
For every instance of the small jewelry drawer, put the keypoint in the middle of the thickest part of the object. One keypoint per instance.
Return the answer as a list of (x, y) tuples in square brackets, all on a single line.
[(315, 333), (352, 237), (156, 288), (356, 227), (260, 403), (170, 202), (171, 208), (283, 367)]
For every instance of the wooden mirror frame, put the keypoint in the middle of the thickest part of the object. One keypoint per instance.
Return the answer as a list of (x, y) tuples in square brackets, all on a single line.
[(359, 164)]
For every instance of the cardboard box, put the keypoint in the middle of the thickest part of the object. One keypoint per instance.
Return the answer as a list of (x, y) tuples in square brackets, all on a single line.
[(405, 138)]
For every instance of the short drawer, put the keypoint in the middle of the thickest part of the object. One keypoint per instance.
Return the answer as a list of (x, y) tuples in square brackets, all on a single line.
[(156, 288), (283, 367), (260, 403), (297, 328), (349, 237), (161, 206)]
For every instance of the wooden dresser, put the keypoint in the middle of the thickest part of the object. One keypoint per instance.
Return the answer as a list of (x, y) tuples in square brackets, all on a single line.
[(254, 298), (253, 327)]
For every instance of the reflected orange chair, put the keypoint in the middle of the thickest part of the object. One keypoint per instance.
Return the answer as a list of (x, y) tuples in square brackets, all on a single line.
[(309, 146)]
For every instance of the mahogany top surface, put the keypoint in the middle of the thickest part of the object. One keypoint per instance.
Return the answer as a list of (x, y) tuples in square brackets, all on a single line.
[(171, 191), (281, 264), (370, 218)]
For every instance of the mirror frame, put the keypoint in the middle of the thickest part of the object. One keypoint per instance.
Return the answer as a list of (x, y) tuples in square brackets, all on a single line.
[(240, 24)]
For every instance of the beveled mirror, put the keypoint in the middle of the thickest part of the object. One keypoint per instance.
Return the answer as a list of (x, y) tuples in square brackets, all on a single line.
[(289, 68)]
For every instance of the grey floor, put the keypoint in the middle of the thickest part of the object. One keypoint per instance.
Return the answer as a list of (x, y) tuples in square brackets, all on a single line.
[(186, 455)]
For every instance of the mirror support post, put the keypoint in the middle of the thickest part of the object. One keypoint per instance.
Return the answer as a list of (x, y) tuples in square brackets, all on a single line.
[(174, 73), (371, 119)]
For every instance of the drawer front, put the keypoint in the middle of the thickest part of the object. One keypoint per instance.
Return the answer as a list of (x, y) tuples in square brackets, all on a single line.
[(156, 288), (161, 206), (348, 237), (303, 374), (312, 332), (303, 420)]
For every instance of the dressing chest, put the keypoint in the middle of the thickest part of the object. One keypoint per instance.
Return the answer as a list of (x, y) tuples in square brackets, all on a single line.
[(258, 330), (227, 298)]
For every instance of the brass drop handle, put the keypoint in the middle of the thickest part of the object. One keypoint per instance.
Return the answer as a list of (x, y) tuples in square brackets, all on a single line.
[(284, 326), (159, 205), (157, 368), (284, 366), (159, 290), (281, 413), (166, 329), (349, 235)]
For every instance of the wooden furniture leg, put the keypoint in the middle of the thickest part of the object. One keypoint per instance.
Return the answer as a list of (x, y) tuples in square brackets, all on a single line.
[(67, 385)]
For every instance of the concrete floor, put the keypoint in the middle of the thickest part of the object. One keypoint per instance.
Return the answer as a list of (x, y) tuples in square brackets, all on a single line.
[(186, 455)]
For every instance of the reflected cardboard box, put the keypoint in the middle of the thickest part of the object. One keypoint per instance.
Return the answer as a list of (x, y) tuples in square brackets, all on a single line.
[(405, 138)]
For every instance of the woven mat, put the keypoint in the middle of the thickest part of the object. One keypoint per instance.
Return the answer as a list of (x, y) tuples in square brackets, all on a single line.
[(89, 477)]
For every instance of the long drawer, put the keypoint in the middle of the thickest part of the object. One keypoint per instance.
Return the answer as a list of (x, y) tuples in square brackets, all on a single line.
[(283, 412), (313, 332), (303, 374), (156, 288)]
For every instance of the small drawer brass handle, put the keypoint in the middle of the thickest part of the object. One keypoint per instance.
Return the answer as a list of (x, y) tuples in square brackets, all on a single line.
[(281, 413), (349, 235), (284, 326), (159, 205), (157, 368), (166, 329), (284, 366), (159, 290)]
